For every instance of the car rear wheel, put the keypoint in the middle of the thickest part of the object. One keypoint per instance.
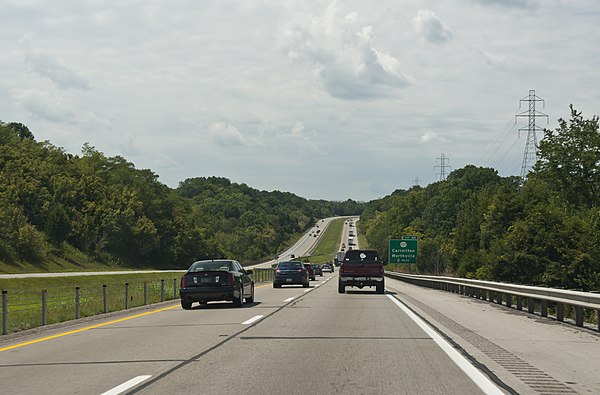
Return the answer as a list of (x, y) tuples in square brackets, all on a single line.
[(380, 288), (186, 305), (341, 287), (237, 302), (276, 285), (250, 299), (306, 284)]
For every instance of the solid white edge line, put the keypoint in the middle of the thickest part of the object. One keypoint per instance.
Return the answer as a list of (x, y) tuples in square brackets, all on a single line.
[(127, 385), (290, 299), (482, 381), (252, 320)]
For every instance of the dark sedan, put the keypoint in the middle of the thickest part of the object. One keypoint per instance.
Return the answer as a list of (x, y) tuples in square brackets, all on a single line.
[(317, 269), (216, 280), (291, 272)]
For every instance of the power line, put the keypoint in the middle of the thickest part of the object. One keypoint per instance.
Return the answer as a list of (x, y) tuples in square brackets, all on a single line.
[(442, 166), (530, 153)]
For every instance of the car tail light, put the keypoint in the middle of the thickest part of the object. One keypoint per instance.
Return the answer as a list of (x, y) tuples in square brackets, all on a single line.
[(182, 285), (230, 279), (381, 270)]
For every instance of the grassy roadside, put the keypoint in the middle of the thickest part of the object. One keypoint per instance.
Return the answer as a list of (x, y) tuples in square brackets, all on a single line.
[(329, 243), (24, 296)]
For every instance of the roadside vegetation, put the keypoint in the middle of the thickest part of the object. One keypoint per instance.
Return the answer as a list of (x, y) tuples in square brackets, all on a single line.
[(24, 296), (476, 224), (63, 212)]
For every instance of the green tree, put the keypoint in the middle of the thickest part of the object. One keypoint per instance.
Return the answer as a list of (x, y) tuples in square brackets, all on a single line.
[(569, 159)]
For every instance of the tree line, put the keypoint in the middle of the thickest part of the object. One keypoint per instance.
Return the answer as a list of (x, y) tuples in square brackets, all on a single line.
[(53, 203), (544, 230)]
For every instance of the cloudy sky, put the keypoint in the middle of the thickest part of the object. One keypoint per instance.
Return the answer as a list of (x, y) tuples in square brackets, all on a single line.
[(325, 99)]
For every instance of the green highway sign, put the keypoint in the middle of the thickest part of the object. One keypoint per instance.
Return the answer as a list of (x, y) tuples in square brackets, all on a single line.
[(403, 251)]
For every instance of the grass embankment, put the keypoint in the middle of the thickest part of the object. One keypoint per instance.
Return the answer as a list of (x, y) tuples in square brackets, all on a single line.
[(24, 295), (70, 260), (329, 243)]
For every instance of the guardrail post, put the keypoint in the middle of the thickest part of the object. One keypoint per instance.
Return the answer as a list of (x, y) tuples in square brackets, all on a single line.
[(530, 305), (162, 290), (4, 312), (43, 307), (578, 315), (174, 288), (126, 296), (77, 303), (560, 312), (509, 300), (544, 308), (104, 298), (145, 293), (519, 302)]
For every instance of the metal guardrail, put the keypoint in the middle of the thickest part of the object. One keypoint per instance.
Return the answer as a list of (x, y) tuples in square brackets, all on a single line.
[(25, 309), (541, 299)]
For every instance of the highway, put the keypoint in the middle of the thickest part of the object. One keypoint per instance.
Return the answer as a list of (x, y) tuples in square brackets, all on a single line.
[(301, 341), (411, 340)]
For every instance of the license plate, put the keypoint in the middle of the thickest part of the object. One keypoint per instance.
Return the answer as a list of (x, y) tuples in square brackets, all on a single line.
[(361, 278), (207, 280), (288, 280)]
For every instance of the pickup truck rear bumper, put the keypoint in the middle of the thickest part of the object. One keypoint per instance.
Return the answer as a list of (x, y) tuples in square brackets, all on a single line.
[(361, 280)]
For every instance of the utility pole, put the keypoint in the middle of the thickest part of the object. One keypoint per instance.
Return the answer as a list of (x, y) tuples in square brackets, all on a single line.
[(530, 153), (442, 163)]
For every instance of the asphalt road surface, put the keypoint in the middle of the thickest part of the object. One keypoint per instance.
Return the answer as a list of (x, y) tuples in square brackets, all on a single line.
[(299, 341)]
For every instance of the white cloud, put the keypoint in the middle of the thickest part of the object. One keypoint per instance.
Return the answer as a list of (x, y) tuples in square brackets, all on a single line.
[(226, 135), (430, 137), (343, 55), (509, 3), (60, 75), (431, 27), (44, 105)]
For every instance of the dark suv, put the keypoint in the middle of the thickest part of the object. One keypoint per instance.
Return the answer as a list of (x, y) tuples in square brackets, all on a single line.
[(291, 272)]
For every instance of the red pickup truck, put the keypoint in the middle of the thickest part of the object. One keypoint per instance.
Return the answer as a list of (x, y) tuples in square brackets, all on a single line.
[(361, 268)]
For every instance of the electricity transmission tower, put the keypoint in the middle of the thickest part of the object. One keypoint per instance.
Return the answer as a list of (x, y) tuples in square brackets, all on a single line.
[(442, 163), (530, 153), (416, 182)]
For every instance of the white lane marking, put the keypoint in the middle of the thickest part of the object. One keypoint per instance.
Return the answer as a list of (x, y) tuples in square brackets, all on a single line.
[(290, 299), (483, 382), (126, 385), (317, 286), (306, 290), (253, 319)]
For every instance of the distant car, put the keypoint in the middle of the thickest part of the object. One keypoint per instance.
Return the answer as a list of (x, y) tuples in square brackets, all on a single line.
[(291, 272), (311, 271), (317, 269), (216, 280), (327, 268)]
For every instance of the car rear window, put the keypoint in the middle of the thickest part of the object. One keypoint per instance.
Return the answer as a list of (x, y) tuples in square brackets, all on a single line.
[(203, 266), (358, 255), (290, 265)]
